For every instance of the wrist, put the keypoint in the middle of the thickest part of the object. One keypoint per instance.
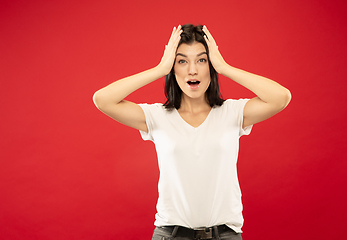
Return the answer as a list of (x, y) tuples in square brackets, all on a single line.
[(223, 68), (162, 70)]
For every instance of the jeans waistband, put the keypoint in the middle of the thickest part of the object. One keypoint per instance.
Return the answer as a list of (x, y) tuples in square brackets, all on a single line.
[(203, 233)]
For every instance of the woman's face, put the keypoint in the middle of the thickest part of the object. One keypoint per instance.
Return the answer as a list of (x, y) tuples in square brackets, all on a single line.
[(192, 69)]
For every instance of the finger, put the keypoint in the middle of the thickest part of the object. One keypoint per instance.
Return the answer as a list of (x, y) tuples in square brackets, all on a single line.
[(207, 41), (175, 31), (175, 36), (172, 34), (208, 34)]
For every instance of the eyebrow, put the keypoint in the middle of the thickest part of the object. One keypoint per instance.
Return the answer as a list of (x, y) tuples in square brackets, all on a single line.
[(198, 55)]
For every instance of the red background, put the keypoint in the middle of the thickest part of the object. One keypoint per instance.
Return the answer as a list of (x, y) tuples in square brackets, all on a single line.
[(69, 172)]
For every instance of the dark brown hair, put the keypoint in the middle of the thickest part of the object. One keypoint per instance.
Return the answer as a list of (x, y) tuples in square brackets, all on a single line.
[(173, 92)]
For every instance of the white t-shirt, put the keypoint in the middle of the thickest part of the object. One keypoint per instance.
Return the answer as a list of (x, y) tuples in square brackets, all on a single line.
[(198, 184)]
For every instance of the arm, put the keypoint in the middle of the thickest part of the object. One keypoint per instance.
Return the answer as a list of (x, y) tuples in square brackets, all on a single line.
[(271, 96), (110, 99)]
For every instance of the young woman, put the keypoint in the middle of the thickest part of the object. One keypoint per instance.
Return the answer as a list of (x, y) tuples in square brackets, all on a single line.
[(196, 133)]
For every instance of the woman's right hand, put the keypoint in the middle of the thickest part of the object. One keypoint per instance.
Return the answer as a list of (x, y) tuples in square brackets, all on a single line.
[(169, 56), (110, 99)]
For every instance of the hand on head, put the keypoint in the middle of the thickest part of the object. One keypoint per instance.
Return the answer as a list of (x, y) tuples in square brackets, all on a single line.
[(214, 54), (168, 58), (169, 55)]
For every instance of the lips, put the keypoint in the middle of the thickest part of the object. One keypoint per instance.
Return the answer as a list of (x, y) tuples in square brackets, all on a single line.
[(193, 83)]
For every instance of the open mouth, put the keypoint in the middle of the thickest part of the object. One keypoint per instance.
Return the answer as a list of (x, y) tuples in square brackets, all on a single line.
[(193, 83)]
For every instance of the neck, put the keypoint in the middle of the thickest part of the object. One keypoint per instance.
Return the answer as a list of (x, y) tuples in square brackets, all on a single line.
[(193, 104)]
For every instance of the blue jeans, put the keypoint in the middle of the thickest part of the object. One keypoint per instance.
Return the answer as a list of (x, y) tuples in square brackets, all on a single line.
[(163, 233)]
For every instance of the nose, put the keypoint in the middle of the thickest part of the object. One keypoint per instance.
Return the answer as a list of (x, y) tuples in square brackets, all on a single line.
[(192, 69)]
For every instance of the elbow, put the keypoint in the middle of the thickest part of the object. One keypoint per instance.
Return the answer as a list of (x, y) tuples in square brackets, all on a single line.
[(285, 97), (103, 100), (97, 99)]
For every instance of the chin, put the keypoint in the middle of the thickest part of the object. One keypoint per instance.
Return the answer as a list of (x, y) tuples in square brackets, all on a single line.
[(194, 95)]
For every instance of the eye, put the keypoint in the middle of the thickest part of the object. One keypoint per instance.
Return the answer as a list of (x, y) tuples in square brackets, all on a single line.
[(181, 61), (202, 60)]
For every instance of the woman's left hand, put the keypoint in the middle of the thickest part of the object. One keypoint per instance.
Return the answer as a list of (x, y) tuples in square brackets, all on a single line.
[(214, 54)]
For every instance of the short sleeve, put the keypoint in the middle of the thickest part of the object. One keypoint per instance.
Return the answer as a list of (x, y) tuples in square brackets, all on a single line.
[(246, 130), (237, 107), (149, 122), (148, 111)]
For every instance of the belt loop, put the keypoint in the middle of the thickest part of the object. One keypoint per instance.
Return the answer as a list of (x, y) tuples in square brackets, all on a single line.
[(174, 232), (215, 228)]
